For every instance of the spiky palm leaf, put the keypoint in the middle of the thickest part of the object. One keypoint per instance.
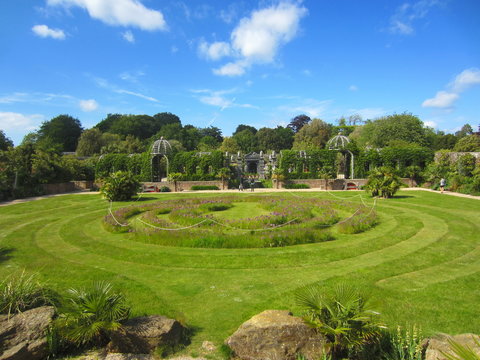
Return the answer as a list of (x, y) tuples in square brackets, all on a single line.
[(462, 352), (342, 316), (91, 314)]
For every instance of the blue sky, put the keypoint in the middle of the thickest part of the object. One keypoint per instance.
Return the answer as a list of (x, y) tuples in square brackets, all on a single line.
[(225, 63)]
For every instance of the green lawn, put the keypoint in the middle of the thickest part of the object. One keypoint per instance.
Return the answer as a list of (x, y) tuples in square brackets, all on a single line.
[(421, 263)]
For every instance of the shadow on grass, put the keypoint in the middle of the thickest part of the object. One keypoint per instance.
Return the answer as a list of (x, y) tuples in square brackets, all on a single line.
[(5, 254), (403, 196), (145, 198)]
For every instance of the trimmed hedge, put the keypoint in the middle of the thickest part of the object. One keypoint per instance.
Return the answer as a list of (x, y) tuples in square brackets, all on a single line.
[(296, 186), (204, 187)]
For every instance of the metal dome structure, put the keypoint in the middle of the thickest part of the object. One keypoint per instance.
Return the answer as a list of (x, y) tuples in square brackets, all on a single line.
[(339, 142), (160, 149)]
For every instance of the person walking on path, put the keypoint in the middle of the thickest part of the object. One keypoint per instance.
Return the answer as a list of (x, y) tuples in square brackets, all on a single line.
[(443, 182)]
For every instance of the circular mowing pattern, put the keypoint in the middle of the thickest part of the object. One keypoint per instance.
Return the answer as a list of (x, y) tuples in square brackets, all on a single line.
[(241, 222)]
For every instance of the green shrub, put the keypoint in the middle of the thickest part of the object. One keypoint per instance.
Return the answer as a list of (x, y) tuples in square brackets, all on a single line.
[(165, 189), (22, 292), (204, 187), (296, 186), (120, 186), (342, 316), (89, 315), (383, 182)]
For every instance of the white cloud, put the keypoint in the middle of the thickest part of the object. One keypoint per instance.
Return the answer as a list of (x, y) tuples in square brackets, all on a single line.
[(132, 76), (88, 105), (15, 97), (442, 99), (44, 31), (367, 113), (106, 85), (311, 107), (431, 124), (402, 21), (119, 12), (142, 96), (353, 88), (214, 51), (128, 35), (231, 69), (16, 121), (257, 38), (218, 98), (462, 82), (466, 79)]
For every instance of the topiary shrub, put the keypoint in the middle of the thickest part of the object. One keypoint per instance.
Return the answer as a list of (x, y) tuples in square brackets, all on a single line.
[(120, 186)]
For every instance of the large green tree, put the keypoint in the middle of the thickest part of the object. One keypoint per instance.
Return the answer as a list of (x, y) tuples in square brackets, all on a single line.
[(90, 143), (312, 136), (5, 142), (470, 143), (242, 127), (299, 122), (276, 139), (246, 141), (382, 131), (63, 130)]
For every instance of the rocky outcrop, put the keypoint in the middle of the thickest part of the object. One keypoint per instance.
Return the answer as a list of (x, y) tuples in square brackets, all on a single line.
[(22, 336), (142, 335), (439, 344), (276, 335)]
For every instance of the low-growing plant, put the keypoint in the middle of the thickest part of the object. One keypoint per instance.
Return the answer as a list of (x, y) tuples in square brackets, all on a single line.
[(120, 186), (20, 292), (405, 344), (363, 220), (90, 314), (383, 182), (165, 189)]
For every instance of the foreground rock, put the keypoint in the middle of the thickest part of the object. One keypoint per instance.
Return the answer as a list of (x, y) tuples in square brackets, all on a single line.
[(22, 336), (276, 335), (143, 335), (439, 343)]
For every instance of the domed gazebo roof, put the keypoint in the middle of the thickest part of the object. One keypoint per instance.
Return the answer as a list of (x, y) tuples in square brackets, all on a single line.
[(161, 147), (338, 142)]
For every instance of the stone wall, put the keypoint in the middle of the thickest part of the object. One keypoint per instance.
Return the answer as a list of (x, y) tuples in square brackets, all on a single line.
[(60, 188), (339, 184)]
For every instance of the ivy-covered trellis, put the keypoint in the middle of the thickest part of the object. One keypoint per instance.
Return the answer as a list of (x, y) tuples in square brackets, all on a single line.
[(198, 165), (310, 164)]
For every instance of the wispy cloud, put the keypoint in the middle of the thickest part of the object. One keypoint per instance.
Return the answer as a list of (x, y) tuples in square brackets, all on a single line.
[(45, 32), (219, 98), (406, 15), (462, 82), (311, 107), (353, 88), (257, 38), (103, 83), (128, 36), (118, 12)]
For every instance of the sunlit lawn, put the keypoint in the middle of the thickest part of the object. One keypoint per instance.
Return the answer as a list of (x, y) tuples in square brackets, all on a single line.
[(421, 263)]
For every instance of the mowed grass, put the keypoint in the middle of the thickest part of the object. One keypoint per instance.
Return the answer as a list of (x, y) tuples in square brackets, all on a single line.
[(421, 263)]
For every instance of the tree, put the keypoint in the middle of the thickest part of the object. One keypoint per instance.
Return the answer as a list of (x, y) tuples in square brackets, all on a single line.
[(298, 122), (470, 143), (243, 127), (276, 139), (5, 142), (63, 130), (212, 131), (312, 136), (165, 118), (246, 141), (380, 132), (90, 143), (464, 131), (229, 145)]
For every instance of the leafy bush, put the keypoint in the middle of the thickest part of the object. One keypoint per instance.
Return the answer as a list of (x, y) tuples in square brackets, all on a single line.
[(296, 186), (342, 316), (120, 186), (405, 344), (204, 187), (22, 292), (165, 189), (89, 315), (383, 182)]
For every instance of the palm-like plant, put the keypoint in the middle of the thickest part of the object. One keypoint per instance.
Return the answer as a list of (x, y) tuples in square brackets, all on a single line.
[(342, 316), (223, 173), (91, 314), (462, 352), (384, 182)]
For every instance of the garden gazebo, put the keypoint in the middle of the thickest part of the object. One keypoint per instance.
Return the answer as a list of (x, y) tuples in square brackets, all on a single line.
[(339, 143), (160, 150)]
